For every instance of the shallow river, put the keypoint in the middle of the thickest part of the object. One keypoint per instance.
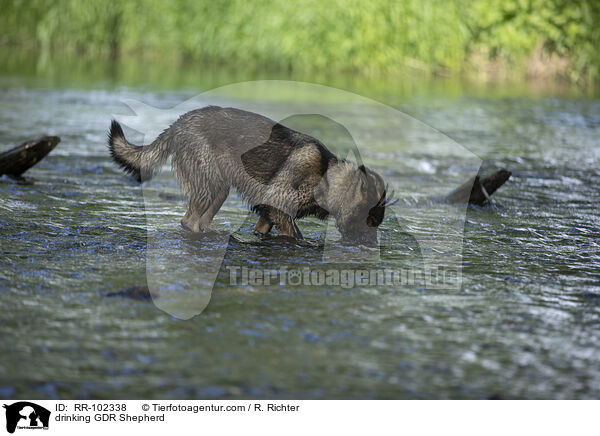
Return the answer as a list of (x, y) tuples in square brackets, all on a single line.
[(524, 322)]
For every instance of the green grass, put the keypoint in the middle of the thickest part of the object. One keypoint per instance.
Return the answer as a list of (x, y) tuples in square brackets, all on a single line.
[(557, 37)]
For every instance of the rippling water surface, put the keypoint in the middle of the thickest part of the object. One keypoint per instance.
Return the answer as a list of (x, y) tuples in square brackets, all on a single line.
[(524, 324)]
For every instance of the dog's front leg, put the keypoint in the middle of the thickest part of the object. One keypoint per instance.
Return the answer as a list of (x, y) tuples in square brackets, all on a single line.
[(264, 225), (286, 225)]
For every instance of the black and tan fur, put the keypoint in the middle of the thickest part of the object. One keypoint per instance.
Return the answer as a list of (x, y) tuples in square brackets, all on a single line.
[(283, 174)]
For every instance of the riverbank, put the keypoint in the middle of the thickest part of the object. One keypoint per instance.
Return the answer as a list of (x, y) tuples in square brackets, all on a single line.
[(30, 69), (489, 40)]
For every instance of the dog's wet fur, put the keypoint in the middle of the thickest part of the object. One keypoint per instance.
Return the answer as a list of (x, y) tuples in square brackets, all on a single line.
[(283, 174)]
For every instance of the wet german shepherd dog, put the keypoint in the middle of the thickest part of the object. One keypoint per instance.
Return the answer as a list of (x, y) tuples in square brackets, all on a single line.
[(283, 174)]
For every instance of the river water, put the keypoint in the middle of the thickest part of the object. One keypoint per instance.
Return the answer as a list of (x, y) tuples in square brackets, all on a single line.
[(524, 322)]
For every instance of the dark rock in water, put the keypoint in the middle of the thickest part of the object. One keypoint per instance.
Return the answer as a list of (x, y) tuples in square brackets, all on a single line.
[(15, 179), (477, 190), (16, 161), (137, 292)]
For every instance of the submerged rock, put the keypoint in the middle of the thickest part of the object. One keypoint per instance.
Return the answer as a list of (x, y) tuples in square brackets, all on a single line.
[(477, 190), (137, 292)]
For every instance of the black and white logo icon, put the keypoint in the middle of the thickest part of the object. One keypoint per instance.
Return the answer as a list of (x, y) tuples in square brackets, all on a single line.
[(26, 415)]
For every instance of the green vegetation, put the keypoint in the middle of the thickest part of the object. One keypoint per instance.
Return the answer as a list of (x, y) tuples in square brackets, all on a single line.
[(537, 38)]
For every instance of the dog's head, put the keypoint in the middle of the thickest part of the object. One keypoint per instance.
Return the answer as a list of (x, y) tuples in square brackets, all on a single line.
[(356, 197)]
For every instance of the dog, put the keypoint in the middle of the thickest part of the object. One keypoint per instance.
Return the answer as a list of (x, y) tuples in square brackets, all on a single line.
[(283, 174)]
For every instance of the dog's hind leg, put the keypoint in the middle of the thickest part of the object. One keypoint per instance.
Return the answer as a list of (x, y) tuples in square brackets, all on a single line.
[(219, 198), (203, 181), (193, 219), (202, 209)]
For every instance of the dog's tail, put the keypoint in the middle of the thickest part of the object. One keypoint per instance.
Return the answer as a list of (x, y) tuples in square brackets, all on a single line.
[(139, 161)]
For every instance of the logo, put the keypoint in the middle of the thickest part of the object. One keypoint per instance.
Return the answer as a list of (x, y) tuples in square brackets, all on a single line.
[(26, 415)]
